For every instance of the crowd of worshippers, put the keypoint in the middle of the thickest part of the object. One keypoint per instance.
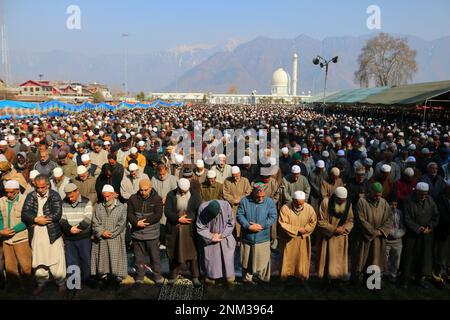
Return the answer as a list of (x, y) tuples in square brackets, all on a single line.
[(83, 190)]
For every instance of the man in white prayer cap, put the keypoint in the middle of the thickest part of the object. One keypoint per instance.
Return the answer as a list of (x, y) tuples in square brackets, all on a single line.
[(16, 247), (223, 170), (315, 179), (86, 184), (211, 189), (93, 169), (130, 182), (235, 188), (297, 221), (200, 172), (385, 178), (136, 157), (109, 255), (334, 223), (421, 219), (307, 161), (181, 210), (285, 161), (59, 181), (292, 183)]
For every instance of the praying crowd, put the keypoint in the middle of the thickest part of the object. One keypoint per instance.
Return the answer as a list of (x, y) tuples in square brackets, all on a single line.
[(341, 193)]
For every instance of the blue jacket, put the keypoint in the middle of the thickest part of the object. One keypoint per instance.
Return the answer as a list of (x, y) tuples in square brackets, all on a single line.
[(264, 214)]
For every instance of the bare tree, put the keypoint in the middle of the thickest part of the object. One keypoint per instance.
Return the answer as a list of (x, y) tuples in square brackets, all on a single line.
[(386, 60)]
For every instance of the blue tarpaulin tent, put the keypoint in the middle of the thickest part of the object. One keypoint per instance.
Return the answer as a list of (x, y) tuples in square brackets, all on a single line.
[(53, 108)]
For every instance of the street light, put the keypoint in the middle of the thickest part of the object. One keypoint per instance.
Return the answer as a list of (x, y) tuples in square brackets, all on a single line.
[(324, 63), (124, 36)]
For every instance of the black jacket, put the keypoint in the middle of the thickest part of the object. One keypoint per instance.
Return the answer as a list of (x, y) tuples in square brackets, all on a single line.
[(151, 209), (52, 209)]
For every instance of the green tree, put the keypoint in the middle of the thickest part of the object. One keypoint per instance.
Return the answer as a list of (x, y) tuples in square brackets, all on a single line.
[(140, 96), (98, 97)]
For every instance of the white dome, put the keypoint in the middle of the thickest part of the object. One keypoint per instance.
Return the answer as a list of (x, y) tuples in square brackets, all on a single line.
[(280, 78)]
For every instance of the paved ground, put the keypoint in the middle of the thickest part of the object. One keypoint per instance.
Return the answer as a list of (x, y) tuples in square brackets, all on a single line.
[(184, 290)]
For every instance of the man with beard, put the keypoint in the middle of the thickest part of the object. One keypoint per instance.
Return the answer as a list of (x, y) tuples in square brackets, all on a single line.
[(109, 256), (435, 182), (9, 154), (22, 166), (248, 170), (130, 182), (86, 184), (285, 161), (405, 186), (395, 169), (41, 213), (315, 179), (144, 211), (9, 173), (223, 170), (14, 237), (335, 222), (76, 224), (45, 166), (294, 182), (421, 218), (200, 172), (139, 158), (384, 177), (81, 150), (93, 170), (329, 185), (211, 189), (181, 211), (12, 142), (234, 189), (373, 224), (308, 161), (99, 156), (69, 167), (163, 183), (358, 187), (59, 181), (297, 222), (256, 214)]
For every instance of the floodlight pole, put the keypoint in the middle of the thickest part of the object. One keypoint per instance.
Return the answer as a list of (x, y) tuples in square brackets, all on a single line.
[(325, 88), (124, 36), (324, 63)]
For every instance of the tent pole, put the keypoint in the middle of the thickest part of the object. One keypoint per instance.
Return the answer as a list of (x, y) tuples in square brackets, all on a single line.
[(425, 111)]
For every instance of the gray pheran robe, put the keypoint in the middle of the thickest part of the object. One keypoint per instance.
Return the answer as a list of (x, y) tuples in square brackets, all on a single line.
[(218, 257)]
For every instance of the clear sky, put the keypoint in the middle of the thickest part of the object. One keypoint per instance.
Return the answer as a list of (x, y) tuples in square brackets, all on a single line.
[(156, 25)]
